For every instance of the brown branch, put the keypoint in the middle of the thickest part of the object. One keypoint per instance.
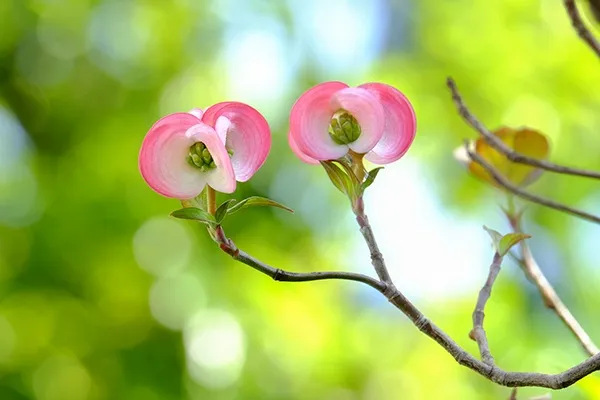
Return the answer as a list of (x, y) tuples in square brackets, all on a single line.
[(501, 147), (577, 21), (376, 257), (394, 296), (595, 7), (478, 333), (506, 184), (550, 297), (284, 276)]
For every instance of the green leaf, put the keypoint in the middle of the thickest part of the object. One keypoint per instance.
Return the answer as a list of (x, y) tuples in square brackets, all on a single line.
[(223, 210), (349, 172), (256, 201), (351, 181), (337, 177), (195, 214), (495, 235), (190, 203), (509, 240), (503, 243), (201, 199), (353, 184), (372, 174)]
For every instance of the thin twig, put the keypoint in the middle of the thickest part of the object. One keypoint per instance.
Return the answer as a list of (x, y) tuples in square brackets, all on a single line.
[(394, 296), (478, 333), (503, 148), (550, 297), (513, 394), (584, 33), (376, 257), (506, 184), (284, 276)]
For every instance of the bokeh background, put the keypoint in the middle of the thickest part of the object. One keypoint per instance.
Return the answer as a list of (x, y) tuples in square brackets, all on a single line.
[(104, 296)]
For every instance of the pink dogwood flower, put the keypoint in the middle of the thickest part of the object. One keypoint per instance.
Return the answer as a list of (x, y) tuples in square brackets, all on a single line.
[(331, 119), (184, 152)]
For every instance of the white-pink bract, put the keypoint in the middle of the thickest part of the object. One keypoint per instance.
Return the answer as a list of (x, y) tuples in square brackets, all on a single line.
[(386, 118), (232, 126)]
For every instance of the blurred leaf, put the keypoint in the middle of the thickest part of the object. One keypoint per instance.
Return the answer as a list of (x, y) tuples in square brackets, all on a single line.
[(509, 240), (190, 203), (495, 235), (595, 7), (195, 214), (503, 243), (256, 201), (526, 141)]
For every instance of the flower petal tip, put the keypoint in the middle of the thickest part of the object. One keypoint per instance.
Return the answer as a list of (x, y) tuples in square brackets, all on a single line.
[(162, 158), (309, 122), (248, 136), (400, 124), (303, 157)]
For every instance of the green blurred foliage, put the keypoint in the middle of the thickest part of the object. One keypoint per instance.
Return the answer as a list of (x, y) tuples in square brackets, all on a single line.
[(103, 296)]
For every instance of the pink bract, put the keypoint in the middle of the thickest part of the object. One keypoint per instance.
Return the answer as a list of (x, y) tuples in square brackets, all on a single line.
[(385, 115), (298, 152), (400, 124), (248, 136), (225, 126), (163, 158)]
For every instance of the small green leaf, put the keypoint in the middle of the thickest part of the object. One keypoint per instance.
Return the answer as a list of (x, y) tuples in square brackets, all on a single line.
[(342, 176), (349, 172), (352, 182), (337, 177), (201, 199), (495, 235), (372, 174), (194, 214), (503, 244), (256, 201), (223, 209), (509, 240), (190, 203)]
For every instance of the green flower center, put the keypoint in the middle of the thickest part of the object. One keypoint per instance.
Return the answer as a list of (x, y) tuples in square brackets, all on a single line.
[(199, 157), (344, 128)]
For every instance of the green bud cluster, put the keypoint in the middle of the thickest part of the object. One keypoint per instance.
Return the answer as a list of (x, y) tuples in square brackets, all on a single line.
[(344, 128), (199, 157)]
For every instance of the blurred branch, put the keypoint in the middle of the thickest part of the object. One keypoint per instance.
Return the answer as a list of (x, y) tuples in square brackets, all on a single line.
[(577, 21), (513, 394), (492, 372), (595, 7), (506, 184), (549, 295), (394, 296), (501, 147), (478, 333)]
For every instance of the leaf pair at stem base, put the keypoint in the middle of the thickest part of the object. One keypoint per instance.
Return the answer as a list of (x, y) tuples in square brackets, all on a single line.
[(228, 207)]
